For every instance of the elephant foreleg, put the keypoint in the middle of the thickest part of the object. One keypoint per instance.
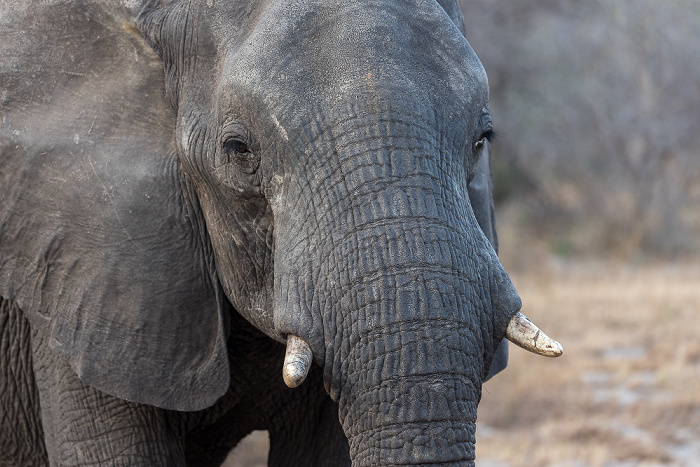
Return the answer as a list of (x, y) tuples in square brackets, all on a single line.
[(84, 426), (307, 430)]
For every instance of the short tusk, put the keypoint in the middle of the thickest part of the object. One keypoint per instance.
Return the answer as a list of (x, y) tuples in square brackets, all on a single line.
[(523, 333), (297, 361)]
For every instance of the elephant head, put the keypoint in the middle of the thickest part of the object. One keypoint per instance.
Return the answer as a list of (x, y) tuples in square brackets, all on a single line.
[(304, 161)]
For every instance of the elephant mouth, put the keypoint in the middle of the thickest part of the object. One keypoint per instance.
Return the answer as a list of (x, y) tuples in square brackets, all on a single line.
[(520, 331), (408, 391)]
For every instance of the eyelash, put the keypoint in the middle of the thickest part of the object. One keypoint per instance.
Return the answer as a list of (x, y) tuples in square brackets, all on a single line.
[(489, 135)]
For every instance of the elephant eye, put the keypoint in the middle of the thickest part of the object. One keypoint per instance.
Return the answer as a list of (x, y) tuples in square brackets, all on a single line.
[(235, 146), (487, 135), (241, 154)]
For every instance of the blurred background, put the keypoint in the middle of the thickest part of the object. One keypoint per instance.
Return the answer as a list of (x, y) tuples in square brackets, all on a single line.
[(597, 176), (597, 106)]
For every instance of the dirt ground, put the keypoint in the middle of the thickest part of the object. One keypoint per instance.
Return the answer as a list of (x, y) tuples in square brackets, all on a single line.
[(625, 393)]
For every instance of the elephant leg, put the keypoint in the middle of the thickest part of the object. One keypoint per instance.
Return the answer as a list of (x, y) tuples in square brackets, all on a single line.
[(307, 431), (21, 435), (84, 426), (303, 422)]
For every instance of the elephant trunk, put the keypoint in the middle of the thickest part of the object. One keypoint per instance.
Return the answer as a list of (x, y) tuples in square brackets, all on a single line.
[(398, 294), (407, 333), (414, 344), (413, 399)]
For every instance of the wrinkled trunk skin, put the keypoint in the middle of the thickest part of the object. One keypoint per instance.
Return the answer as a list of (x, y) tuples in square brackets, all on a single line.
[(410, 348), (409, 397), (412, 298)]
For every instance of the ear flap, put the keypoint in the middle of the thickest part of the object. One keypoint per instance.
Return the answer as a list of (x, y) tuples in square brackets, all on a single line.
[(102, 240), (454, 11), (481, 198), (481, 195)]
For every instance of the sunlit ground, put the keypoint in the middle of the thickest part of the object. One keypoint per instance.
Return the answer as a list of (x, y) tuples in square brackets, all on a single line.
[(625, 393), (251, 452)]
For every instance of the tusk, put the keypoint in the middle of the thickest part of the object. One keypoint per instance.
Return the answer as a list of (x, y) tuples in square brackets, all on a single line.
[(523, 333), (297, 361)]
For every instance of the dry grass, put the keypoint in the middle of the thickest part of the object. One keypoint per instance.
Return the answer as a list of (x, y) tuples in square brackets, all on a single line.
[(625, 393), (251, 452), (627, 389)]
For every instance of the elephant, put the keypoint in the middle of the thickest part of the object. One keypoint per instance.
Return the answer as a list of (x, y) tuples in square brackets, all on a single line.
[(222, 216)]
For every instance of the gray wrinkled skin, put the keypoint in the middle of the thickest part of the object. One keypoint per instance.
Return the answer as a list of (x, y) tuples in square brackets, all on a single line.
[(186, 183)]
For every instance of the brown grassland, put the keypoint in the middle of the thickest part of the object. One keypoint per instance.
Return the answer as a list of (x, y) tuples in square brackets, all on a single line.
[(626, 392)]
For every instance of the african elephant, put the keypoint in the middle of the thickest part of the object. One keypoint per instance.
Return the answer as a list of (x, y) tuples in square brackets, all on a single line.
[(187, 186)]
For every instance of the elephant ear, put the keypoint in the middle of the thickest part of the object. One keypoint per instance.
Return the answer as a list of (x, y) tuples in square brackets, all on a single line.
[(102, 241), (481, 198), (454, 11), (481, 195)]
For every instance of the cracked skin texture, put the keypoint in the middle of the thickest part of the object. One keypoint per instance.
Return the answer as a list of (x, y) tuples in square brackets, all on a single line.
[(158, 270)]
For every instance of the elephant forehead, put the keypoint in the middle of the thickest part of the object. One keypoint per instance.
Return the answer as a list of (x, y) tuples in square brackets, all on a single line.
[(327, 51)]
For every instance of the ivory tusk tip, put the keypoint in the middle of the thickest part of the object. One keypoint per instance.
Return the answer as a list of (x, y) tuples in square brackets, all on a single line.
[(551, 349), (297, 361), (293, 374), (523, 333)]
